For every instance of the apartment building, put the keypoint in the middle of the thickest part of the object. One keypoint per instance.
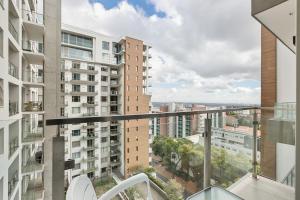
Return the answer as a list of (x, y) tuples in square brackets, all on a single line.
[(102, 76), (180, 126), (25, 32)]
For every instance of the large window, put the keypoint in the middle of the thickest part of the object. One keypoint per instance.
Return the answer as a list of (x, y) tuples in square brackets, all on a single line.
[(77, 40), (91, 88), (105, 45), (91, 77), (76, 88), (76, 155), (75, 76), (75, 98), (76, 144), (76, 132), (76, 53)]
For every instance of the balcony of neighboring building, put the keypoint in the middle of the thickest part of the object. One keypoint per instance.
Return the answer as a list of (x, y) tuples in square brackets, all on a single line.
[(115, 162), (32, 160), (89, 125), (279, 16), (89, 158), (115, 92), (33, 50), (90, 104), (89, 136), (76, 67), (90, 147), (33, 76), (33, 23), (114, 83), (32, 129), (115, 152), (32, 100), (33, 187), (89, 169), (13, 60)]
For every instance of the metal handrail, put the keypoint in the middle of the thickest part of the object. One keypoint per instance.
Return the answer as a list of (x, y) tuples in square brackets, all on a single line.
[(62, 120)]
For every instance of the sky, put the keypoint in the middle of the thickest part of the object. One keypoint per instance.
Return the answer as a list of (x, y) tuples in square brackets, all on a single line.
[(202, 50)]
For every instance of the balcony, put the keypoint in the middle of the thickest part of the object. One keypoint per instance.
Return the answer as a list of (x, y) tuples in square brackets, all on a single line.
[(89, 158), (33, 164), (35, 190), (33, 23), (114, 143), (33, 136), (33, 106), (91, 169), (115, 152), (114, 84), (32, 79), (90, 104), (242, 181), (91, 147), (87, 82), (90, 114), (80, 70), (115, 133), (33, 51), (114, 93), (89, 137)]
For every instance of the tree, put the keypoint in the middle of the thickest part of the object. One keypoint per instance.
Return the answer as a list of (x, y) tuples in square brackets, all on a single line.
[(174, 190)]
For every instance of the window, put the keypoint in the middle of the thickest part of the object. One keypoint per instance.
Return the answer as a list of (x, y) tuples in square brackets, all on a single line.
[(137, 148), (75, 76), (127, 160), (75, 65), (137, 158), (104, 78), (103, 170), (76, 132), (127, 150), (137, 68), (127, 108), (104, 149), (91, 88), (77, 40), (70, 52), (1, 42), (104, 69), (75, 98), (103, 99), (103, 139), (76, 88), (91, 67), (137, 98), (76, 166), (104, 88), (76, 155), (91, 77), (137, 138), (137, 128), (105, 45), (136, 78), (137, 88), (128, 138), (128, 67), (136, 47), (137, 58), (90, 100), (128, 87), (127, 98), (75, 110), (136, 108), (76, 144)]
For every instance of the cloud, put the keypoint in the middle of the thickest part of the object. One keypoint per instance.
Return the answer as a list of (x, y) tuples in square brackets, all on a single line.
[(201, 48)]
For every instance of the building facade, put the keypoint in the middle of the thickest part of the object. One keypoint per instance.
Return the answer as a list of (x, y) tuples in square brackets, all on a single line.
[(27, 30), (102, 76)]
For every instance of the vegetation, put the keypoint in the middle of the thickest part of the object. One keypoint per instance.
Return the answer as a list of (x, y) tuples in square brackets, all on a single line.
[(103, 185), (188, 161), (174, 190)]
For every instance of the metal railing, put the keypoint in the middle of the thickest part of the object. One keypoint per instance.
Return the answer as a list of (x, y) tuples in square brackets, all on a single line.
[(13, 108), (33, 106), (32, 16), (33, 46)]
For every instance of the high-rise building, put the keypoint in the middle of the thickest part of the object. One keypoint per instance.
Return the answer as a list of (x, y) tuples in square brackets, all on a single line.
[(29, 42), (102, 76)]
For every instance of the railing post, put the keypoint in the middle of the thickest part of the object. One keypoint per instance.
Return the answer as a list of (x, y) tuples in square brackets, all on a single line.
[(207, 152), (254, 150)]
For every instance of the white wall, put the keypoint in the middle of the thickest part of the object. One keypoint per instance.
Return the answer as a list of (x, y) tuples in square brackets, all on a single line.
[(286, 74), (285, 160)]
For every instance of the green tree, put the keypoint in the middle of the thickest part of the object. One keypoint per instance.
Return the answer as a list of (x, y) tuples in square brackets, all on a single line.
[(174, 190)]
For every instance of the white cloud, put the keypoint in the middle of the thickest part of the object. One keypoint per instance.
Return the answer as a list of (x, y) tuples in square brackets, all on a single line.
[(200, 48)]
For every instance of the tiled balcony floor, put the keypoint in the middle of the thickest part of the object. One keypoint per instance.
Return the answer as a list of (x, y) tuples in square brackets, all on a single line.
[(261, 189)]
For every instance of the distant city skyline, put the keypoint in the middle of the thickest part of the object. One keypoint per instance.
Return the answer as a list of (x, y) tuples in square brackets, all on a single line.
[(211, 60)]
